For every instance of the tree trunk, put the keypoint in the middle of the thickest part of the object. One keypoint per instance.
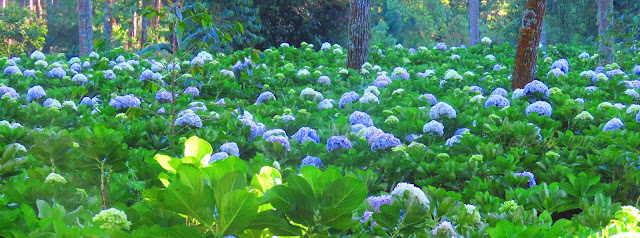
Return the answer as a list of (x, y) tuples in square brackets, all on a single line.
[(143, 31), (3, 3), (359, 34), (39, 9), (133, 30), (85, 27), (527, 51), (474, 15), (108, 22), (31, 6), (605, 9), (543, 35), (158, 7)]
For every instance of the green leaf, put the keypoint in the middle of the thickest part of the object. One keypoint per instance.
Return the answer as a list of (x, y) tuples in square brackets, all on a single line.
[(312, 175), (197, 204), (301, 187), (277, 225), (328, 177), (266, 179), (219, 168), (388, 217), (237, 211), (29, 216), (346, 193), (191, 177), (197, 147), (165, 162), (232, 181)]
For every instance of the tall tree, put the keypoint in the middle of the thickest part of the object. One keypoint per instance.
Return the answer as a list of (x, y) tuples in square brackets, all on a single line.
[(3, 3), (474, 15), (359, 34), (543, 34), (39, 9), (85, 27), (527, 51), (108, 22), (605, 10)]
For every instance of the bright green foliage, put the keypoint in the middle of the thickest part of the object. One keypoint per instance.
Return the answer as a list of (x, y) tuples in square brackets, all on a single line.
[(20, 31)]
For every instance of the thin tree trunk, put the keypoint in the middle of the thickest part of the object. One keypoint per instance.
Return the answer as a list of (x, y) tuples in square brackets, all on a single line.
[(39, 9), (543, 34), (527, 51), (85, 27), (158, 7), (143, 31), (31, 6), (359, 34), (108, 22), (605, 9), (3, 3), (474, 15)]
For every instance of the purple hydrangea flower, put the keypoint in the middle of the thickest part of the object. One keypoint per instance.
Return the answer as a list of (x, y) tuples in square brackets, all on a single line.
[(461, 131), (562, 65), (230, 148), (147, 75), (613, 124), (287, 118), (217, 157), (337, 142), (325, 104), (518, 93), (412, 137), (441, 46), (615, 72), (284, 141), (306, 134), (434, 126), (324, 80), (163, 96), (265, 96), (311, 161), (35, 93), (476, 88), (400, 73), (541, 107), (442, 109), (371, 132), (358, 117), (188, 118), (636, 69), (193, 91), (125, 101), (384, 141), (532, 177), (29, 73), (377, 201), (357, 128), (89, 101), (109, 74), (382, 81), (429, 97), (347, 98), (272, 132), (536, 86), (498, 101), (56, 72), (257, 129), (79, 78), (76, 67)]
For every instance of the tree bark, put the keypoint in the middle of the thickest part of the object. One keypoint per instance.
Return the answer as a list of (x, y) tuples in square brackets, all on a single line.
[(39, 9), (108, 22), (474, 15), (143, 31), (527, 51), (3, 3), (605, 9), (85, 27), (359, 34), (158, 7)]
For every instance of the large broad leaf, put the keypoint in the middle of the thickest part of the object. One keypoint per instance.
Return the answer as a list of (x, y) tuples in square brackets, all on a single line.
[(277, 225), (301, 187), (415, 212), (197, 147), (312, 175), (220, 168), (266, 179), (168, 163), (197, 204), (232, 181), (190, 177), (237, 211), (345, 193), (388, 216), (329, 176), (286, 200)]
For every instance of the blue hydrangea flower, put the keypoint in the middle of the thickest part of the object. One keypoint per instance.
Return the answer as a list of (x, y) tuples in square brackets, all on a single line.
[(591, 88), (311, 161), (11, 69), (631, 83), (306, 134), (56, 72), (52, 102), (384, 141), (371, 132), (532, 177), (79, 78), (579, 100), (412, 50), (324, 80), (188, 118), (347, 98), (400, 73), (453, 140), (369, 98), (76, 67), (147, 75), (29, 73), (377, 201), (497, 67), (461, 131), (197, 106), (536, 86), (358, 117), (429, 97), (555, 72), (357, 128), (498, 101), (257, 129), (442, 109), (191, 90), (518, 93), (584, 55), (636, 69), (476, 88), (338, 142), (433, 126), (109, 74), (221, 102), (161, 110), (615, 72), (284, 141), (163, 96), (412, 137), (214, 157), (325, 104), (382, 80), (613, 124), (500, 92), (562, 65), (197, 62), (441, 46), (638, 117), (89, 101), (541, 107), (287, 118), (125, 101), (265, 96), (230, 148), (9, 92), (35, 93), (272, 132)]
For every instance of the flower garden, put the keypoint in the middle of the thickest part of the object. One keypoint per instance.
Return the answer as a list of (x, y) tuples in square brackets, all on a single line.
[(426, 142)]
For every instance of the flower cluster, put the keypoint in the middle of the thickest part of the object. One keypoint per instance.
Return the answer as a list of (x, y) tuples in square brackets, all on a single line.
[(283, 140), (306, 134), (125, 101), (536, 87), (311, 161), (188, 118), (531, 176), (264, 97), (112, 219), (613, 124), (358, 117), (541, 107), (414, 191), (433, 126), (338, 142), (441, 110)]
